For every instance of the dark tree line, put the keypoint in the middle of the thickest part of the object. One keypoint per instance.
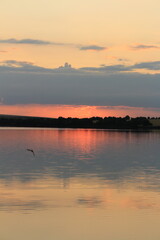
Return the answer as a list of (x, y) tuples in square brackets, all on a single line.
[(93, 122)]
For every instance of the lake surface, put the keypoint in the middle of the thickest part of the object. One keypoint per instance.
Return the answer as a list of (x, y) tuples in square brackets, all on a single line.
[(81, 184)]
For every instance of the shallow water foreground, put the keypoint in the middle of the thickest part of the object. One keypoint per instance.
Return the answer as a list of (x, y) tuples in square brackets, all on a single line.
[(81, 184)]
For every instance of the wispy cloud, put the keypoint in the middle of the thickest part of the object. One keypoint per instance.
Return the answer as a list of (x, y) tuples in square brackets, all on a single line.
[(30, 41), (92, 47), (144, 47), (25, 41), (39, 42)]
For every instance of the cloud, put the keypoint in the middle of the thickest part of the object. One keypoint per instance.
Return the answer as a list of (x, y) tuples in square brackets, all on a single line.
[(26, 83), (155, 65), (14, 63), (29, 67), (31, 41), (22, 66), (25, 41), (142, 46), (110, 68), (19, 66), (92, 47)]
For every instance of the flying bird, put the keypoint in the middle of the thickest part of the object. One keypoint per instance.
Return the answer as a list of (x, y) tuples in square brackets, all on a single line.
[(31, 150)]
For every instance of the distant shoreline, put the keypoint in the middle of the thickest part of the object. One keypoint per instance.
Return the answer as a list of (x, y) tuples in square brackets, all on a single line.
[(91, 123)]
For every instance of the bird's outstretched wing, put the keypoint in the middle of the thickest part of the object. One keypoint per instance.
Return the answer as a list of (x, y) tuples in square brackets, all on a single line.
[(31, 150)]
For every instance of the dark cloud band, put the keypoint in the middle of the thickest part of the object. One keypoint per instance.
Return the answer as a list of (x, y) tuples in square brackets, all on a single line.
[(26, 83)]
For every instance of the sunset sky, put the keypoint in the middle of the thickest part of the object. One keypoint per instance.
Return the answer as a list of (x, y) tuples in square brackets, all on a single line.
[(80, 58)]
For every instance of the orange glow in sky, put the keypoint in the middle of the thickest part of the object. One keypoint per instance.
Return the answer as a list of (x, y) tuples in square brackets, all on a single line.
[(79, 111)]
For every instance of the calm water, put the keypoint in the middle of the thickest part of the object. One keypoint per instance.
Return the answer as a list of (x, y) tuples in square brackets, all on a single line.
[(81, 185)]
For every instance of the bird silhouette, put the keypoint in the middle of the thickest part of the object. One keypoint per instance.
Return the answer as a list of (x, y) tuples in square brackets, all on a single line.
[(31, 150)]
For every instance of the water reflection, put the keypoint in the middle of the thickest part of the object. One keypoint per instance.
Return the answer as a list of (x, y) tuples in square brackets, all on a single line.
[(82, 184), (43, 195), (78, 168), (109, 156)]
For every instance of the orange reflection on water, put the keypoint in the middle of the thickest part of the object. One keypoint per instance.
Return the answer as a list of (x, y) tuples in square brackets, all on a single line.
[(49, 192), (43, 209), (79, 111), (76, 141), (48, 205)]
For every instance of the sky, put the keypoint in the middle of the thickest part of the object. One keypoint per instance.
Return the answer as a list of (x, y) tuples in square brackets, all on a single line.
[(80, 58)]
